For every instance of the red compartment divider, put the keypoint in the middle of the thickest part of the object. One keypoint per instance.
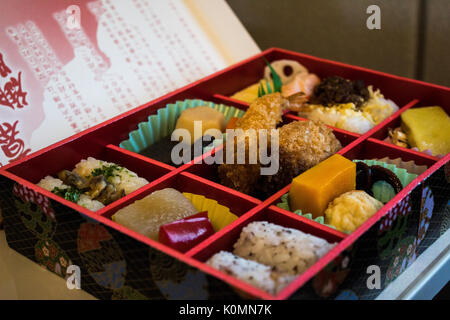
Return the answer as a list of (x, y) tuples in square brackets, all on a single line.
[(243, 103), (380, 132), (138, 194), (128, 199), (293, 117), (131, 154), (225, 99), (386, 121), (130, 160), (225, 189), (372, 149)]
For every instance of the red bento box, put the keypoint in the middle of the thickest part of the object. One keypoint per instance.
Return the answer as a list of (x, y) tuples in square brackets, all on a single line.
[(117, 263)]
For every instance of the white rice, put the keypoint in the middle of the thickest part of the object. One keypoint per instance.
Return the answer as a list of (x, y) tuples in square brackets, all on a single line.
[(269, 256), (124, 179), (251, 272), (286, 250), (49, 183), (88, 203)]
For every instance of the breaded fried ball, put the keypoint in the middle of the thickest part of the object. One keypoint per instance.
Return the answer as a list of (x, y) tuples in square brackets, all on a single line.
[(241, 177), (302, 145)]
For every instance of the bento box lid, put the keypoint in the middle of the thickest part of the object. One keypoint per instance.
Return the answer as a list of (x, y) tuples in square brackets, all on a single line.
[(66, 66)]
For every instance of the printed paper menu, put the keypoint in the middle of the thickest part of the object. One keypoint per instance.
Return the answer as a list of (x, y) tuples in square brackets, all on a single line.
[(60, 75)]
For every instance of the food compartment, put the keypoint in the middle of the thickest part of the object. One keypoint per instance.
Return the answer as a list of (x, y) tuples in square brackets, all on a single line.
[(153, 138), (175, 200), (394, 133), (266, 236), (382, 132), (381, 173), (375, 149), (104, 175), (250, 71)]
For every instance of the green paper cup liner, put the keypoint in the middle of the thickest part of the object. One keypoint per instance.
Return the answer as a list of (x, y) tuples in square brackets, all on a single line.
[(162, 124), (284, 204), (382, 191), (410, 166)]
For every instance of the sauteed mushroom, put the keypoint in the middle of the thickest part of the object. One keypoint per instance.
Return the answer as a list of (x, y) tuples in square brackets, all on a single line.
[(97, 185), (72, 178), (110, 194)]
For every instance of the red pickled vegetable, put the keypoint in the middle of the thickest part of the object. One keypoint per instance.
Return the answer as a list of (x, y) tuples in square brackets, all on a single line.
[(184, 234)]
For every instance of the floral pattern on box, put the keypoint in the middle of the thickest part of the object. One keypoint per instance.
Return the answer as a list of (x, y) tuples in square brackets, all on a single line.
[(50, 256), (101, 256), (404, 254), (327, 281), (174, 280)]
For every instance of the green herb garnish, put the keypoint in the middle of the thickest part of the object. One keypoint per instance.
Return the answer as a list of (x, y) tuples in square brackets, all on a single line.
[(71, 193), (277, 84), (108, 171)]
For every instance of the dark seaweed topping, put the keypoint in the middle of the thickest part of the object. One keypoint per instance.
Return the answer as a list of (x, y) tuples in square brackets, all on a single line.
[(71, 193), (336, 90)]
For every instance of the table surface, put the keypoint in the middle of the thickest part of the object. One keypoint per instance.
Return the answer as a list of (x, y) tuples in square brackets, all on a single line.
[(21, 278)]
